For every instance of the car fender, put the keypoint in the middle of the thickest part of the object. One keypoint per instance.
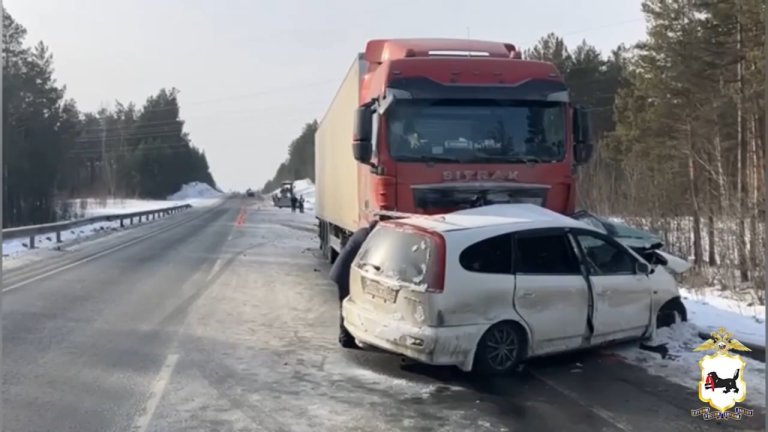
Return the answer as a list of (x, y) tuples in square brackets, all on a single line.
[(512, 316), (664, 288)]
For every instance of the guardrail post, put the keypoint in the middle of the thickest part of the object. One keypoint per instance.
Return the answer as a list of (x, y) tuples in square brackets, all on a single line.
[(32, 242), (58, 236)]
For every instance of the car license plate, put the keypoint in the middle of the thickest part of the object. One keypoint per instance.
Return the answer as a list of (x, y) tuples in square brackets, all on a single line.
[(377, 290)]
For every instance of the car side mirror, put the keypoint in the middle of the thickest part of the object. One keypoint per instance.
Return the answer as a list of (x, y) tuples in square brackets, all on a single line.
[(582, 136), (643, 268)]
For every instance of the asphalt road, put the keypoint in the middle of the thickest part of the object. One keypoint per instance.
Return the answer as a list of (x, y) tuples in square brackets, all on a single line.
[(222, 319)]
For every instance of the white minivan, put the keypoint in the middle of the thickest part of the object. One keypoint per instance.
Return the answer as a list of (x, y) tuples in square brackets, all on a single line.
[(486, 288)]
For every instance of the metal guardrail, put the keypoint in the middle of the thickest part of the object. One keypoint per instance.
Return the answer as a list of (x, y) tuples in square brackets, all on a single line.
[(58, 227)]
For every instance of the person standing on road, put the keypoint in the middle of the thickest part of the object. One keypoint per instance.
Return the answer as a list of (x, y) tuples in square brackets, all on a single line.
[(293, 203), (340, 275)]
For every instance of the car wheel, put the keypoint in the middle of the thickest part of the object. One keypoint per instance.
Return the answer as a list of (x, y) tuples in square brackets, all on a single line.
[(500, 349), (672, 312)]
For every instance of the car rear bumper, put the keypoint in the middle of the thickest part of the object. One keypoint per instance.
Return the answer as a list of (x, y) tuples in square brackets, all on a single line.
[(447, 346)]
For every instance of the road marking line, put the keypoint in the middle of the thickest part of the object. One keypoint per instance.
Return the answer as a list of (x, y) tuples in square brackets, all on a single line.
[(605, 415), (156, 392), (214, 269)]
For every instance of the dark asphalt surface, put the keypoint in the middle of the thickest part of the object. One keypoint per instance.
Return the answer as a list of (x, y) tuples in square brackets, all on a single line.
[(245, 321)]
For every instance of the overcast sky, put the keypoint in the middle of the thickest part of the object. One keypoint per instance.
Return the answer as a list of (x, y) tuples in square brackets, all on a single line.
[(251, 73)]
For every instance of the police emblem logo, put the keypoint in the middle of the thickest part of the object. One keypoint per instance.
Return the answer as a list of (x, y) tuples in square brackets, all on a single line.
[(722, 383)]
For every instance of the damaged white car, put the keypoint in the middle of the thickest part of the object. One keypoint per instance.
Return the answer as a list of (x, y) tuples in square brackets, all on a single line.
[(485, 288)]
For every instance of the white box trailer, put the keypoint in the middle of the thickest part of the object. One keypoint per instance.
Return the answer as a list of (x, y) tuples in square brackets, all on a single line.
[(336, 170)]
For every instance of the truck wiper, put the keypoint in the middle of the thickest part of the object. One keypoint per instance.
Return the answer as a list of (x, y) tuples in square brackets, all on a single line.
[(429, 158), (508, 159), (528, 159)]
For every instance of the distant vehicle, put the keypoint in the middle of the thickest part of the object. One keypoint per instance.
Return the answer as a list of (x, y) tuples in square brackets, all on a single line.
[(437, 125), (283, 197), (486, 288), (250, 193)]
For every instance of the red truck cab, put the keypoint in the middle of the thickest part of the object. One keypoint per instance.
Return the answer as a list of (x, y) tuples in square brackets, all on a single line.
[(445, 124)]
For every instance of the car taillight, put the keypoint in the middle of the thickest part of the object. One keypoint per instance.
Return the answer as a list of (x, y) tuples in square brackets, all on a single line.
[(384, 192), (436, 276)]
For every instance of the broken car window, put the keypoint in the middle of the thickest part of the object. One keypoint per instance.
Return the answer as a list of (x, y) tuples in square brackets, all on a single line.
[(604, 258)]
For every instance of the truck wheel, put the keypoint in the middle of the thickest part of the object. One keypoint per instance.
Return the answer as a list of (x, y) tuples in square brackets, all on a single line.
[(500, 349)]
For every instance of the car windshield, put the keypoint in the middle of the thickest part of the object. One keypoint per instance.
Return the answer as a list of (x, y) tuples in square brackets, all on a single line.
[(625, 231), (477, 131), (615, 228)]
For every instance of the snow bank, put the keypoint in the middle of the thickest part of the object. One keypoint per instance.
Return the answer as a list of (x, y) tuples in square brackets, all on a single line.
[(710, 309), (195, 190), (683, 367)]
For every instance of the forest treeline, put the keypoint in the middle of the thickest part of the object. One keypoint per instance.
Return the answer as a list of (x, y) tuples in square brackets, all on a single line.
[(52, 151), (678, 120)]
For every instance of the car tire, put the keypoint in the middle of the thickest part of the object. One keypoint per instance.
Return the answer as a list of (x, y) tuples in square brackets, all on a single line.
[(672, 312), (500, 349)]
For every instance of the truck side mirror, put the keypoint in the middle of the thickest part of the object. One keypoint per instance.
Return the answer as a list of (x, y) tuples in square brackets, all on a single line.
[(362, 148), (582, 136), (362, 151)]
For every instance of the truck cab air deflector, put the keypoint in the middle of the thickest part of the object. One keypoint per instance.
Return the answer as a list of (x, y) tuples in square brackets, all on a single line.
[(531, 89), (429, 197)]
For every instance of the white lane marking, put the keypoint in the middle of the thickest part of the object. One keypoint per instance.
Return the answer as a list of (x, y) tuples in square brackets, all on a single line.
[(91, 258), (214, 270), (155, 393), (605, 415)]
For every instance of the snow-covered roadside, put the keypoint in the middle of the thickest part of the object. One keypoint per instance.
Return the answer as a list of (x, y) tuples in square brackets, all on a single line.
[(683, 367), (14, 248), (710, 309), (195, 194)]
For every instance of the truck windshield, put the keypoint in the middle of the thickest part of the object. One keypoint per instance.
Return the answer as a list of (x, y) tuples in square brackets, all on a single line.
[(476, 131)]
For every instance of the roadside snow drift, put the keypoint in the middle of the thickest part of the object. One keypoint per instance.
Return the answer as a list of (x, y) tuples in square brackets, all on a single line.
[(710, 309), (195, 190)]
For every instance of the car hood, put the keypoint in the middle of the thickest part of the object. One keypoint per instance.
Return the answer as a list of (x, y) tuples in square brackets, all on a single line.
[(675, 264)]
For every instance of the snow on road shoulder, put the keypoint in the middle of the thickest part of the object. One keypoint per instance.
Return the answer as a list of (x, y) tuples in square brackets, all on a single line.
[(683, 367), (710, 309), (196, 194)]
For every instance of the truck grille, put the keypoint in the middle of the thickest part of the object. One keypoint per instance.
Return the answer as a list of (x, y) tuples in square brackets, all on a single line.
[(456, 196)]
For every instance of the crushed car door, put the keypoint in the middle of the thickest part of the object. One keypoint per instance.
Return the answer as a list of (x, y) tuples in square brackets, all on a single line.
[(551, 294), (622, 294)]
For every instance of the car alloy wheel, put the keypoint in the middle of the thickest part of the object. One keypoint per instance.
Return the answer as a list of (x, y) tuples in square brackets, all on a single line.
[(501, 348)]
